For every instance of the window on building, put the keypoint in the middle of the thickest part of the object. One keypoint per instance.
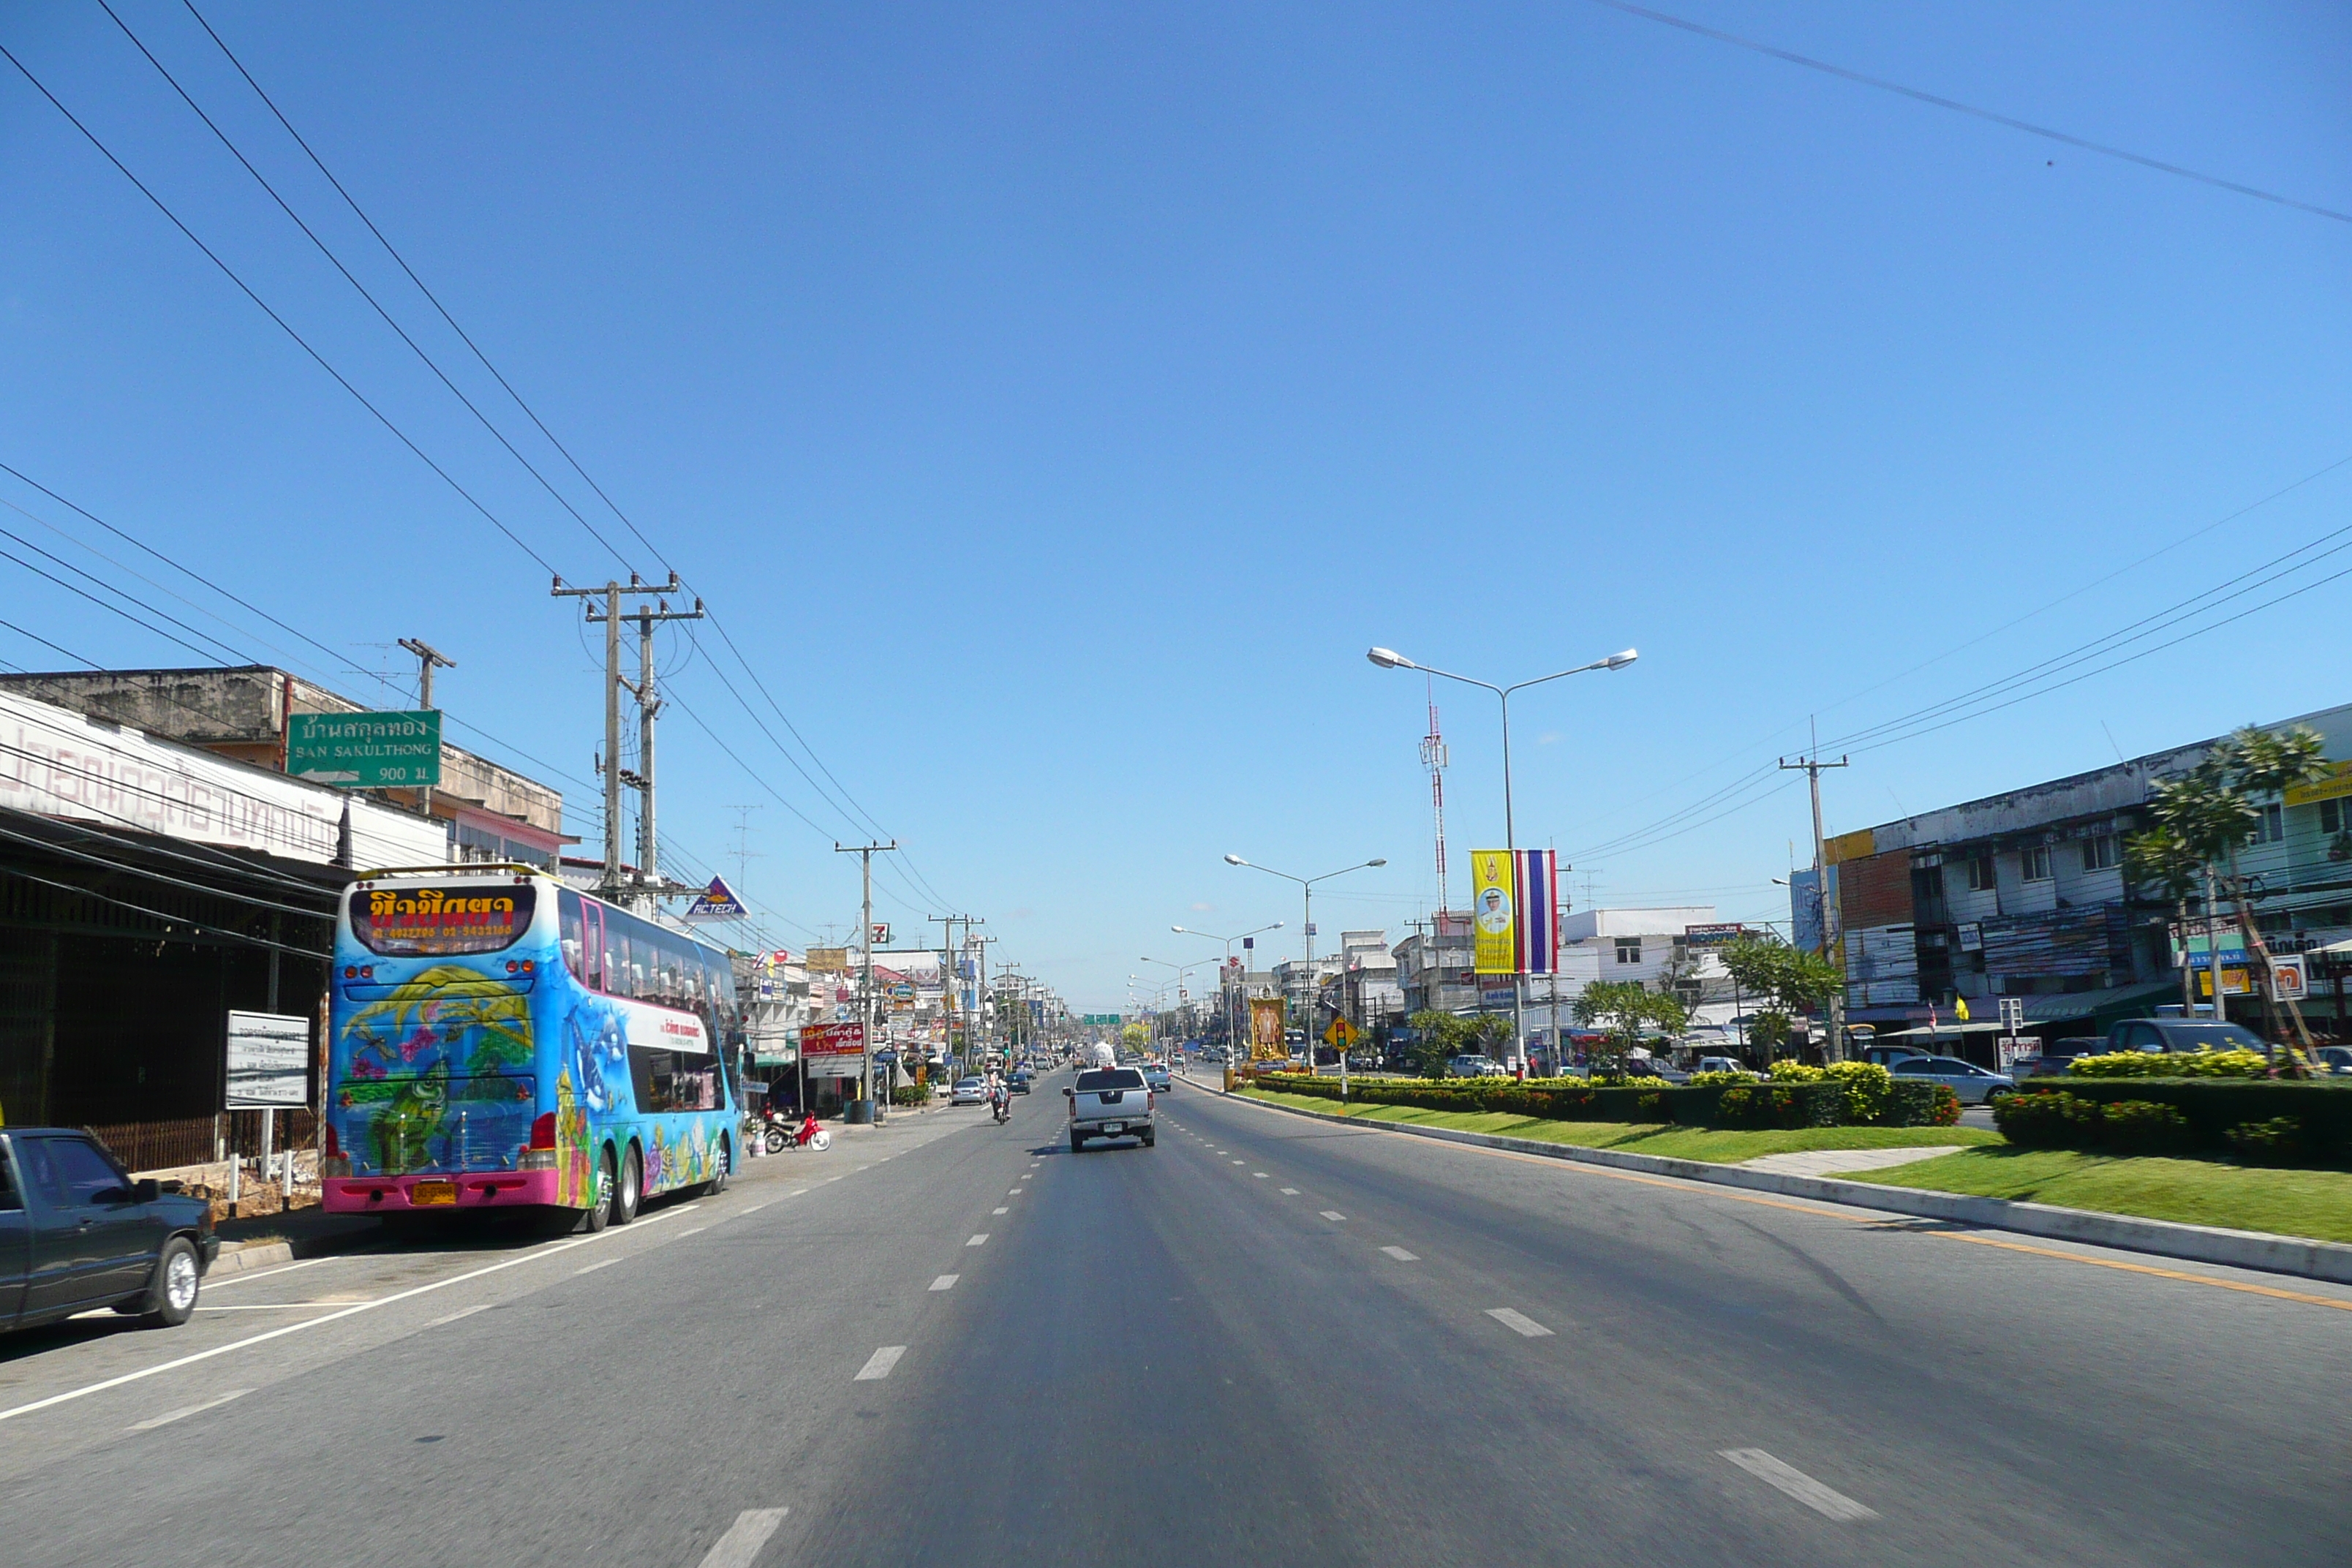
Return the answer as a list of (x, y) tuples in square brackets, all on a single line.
[(2034, 864), (1981, 874), (2271, 828), (2331, 816), (1629, 950), (2099, 853)]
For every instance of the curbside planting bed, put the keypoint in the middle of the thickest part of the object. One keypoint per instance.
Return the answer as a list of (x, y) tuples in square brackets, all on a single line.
[(1853, 1095), (2262, 1122)]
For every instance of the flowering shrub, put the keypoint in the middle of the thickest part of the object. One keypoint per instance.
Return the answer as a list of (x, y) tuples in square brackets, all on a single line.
[(2171, 1064), (1721, 1079)]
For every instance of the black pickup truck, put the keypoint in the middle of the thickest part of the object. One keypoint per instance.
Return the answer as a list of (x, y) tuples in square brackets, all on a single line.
[(76, 1233)]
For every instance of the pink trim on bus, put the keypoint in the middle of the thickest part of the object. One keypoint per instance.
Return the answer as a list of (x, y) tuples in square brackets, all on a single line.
[(475, 1189)]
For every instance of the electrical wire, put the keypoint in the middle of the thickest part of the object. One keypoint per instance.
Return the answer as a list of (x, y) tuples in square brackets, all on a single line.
[(2046, 132)]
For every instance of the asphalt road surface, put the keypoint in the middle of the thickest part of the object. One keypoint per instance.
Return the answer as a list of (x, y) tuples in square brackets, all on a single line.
[(1265, 1340)]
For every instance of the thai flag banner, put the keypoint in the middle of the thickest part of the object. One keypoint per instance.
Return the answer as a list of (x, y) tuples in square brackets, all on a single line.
[(1538, 913)]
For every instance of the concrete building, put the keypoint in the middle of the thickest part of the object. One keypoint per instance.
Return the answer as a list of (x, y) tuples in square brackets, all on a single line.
[(2021, 894), (1436, 967), (488, 812)]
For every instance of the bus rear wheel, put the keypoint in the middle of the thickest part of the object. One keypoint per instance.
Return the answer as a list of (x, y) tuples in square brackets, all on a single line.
[(599, 1212), (630, 1189), (725, 1167)]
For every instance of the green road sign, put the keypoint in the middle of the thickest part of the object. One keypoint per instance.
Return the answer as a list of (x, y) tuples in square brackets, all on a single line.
[(365, 751)]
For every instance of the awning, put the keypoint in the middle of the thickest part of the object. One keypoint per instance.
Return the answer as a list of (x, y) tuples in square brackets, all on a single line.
[(2093, 1009)]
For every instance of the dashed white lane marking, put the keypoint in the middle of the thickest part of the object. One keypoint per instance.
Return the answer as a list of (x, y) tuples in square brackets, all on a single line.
[(1290, 1192), (461, 1312), (878, 1366), (1015, 1193), (592, 1268), (1822, 1500), (694, 1230), (753, 1208), (1401, 1255), (741, 1543), (1000, 1210), (945, 1281), (1518, 1322), (797, 1191), (1241, 1161), (1259, 1175), (185, 1411), (1334, 1216), (980, 1240)]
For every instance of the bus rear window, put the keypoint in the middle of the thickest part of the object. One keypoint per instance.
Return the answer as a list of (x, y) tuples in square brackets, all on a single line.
[(425, 923)]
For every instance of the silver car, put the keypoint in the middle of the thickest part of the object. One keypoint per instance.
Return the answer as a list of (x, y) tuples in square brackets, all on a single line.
[(1973, 1084), (968, 1091)]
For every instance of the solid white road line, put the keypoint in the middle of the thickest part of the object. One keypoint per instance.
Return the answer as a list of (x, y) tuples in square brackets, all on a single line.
[(878, 1366), (1334, 1216), (263, 1274), (185, 1412), (271, 1306), (592, 1268), (741, 1543), (1401, 1255), (531, 1256), (1518, 1322), (945, 1281), (1822, 1500), (980, 1240)]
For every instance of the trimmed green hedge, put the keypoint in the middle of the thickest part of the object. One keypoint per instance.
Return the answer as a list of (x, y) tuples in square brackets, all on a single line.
[(2271, 1122), (1759, 1104)]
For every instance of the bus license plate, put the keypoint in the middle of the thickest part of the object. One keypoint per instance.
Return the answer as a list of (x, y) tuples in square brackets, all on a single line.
[(427, 1192), (1114, 1126)]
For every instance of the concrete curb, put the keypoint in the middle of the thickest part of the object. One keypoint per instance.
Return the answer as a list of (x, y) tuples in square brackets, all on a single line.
[(236, 1257), (2269, 1253)]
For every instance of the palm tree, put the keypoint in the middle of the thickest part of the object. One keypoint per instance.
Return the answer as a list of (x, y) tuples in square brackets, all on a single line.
[(2162, 857)]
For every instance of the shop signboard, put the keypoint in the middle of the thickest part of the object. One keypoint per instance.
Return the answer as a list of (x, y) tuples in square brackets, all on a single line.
[(835, 1048)]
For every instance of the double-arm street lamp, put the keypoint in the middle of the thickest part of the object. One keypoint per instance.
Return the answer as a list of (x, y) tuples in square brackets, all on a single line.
[(1306, 887), (1183, 997), (1389, 658), (1224, 976)]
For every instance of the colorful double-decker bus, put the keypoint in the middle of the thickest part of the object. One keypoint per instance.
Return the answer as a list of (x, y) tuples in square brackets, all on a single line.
[(500, 1040)]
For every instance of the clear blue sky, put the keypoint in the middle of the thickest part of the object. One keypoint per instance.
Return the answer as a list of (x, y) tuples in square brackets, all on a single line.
[(1056, 401)]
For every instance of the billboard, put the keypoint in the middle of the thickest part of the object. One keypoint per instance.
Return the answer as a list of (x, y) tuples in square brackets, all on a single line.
[(1514, 911), (1266, 1030), (835, 1048), (1720, 935)]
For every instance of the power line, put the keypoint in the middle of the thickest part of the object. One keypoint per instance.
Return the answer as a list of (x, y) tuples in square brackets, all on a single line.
[(1957, 106), (283, 325)]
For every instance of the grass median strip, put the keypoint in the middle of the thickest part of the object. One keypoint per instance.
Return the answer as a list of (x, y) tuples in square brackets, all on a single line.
[(2314, 1204), (1715, 1146)]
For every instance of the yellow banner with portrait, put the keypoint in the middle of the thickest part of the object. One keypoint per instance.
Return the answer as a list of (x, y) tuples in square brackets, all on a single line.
[(1266, 1044), (1493, 911)]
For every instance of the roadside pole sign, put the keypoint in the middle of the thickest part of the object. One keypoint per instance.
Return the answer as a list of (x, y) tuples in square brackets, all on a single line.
[(716, 902), (2290, 979), (268, 1061), (2012, 1014), (1341, 1034), (365, 751)]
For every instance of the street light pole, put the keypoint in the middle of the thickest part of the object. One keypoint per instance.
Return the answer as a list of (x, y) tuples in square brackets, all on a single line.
[(1224, 976), (1306, 887), (1389, 658)]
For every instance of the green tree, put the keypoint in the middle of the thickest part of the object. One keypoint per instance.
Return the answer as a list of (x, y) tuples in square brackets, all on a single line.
[(1785, 980), (1624, 1009), (1437, 1037)]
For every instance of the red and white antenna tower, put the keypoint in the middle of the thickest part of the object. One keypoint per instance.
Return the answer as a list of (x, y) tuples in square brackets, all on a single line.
[(1433, 757)]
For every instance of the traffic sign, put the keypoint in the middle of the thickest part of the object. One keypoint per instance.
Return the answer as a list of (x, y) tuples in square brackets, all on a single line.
[(365, 751), (1341, 1034)]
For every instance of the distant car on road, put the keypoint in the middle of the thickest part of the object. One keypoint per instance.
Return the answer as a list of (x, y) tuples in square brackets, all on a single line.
[(1156, 1076), (2152, 1034), (76, 1233), (1109, 1102), (1017, 1080), (1973, 1084), (1720, 1064), (1475, 1066), (968, 1091)]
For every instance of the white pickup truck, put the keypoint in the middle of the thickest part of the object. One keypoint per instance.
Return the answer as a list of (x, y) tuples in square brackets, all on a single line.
[(1109, 1102)]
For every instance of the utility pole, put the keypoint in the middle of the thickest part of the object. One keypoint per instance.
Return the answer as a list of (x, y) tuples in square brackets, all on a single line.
[(612, 884), (954, 956), (1813, 765), (427, 656), (866, 853), (649, 882)]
